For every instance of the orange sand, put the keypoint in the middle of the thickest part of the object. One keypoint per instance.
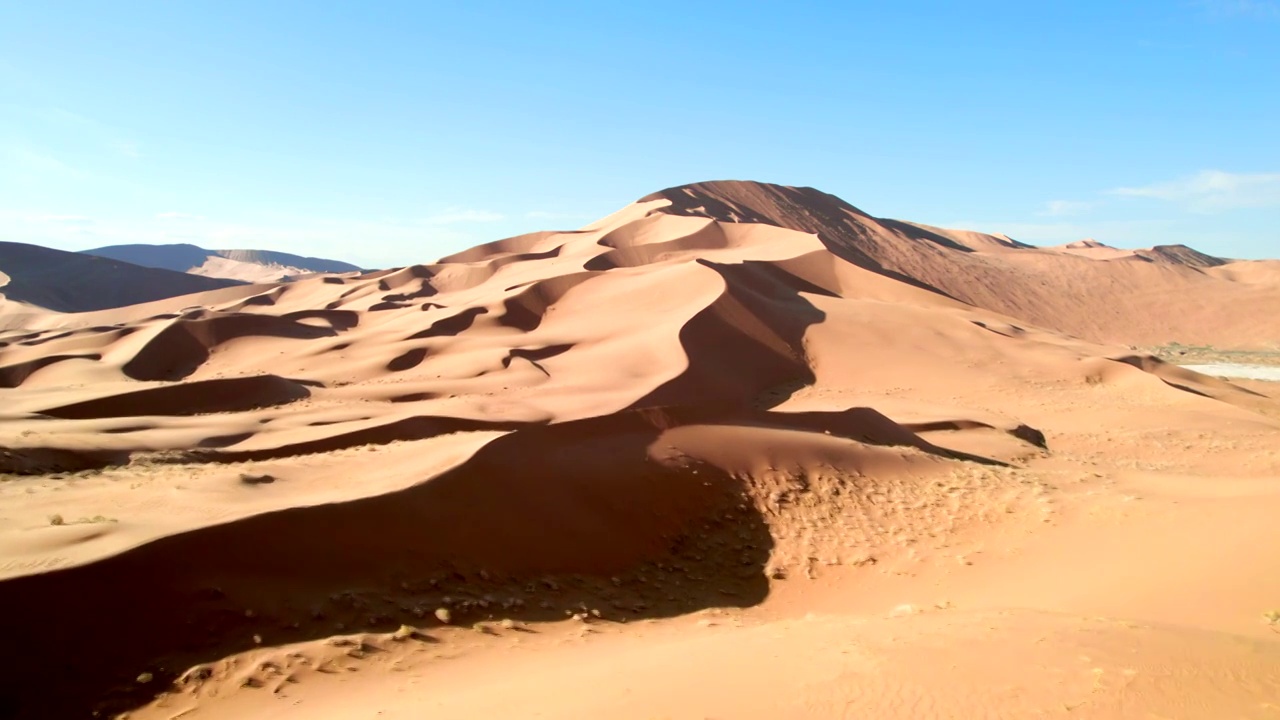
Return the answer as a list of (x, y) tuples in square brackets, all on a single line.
[(737, 450)]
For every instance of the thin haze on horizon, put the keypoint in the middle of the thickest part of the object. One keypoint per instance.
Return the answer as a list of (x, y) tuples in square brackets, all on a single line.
[(398, 133)]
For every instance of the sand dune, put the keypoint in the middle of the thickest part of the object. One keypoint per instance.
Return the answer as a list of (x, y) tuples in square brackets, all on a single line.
[(919, 666), (1167, 254), (1093, 249), (255, 266), (1095, 301), (734, 400), (72, 282)]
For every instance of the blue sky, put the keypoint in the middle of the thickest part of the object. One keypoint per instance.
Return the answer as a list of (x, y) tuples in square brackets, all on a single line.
[(392, 133)]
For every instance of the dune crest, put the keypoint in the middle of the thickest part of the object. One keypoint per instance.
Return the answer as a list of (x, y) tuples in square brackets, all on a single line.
[(720, 387)]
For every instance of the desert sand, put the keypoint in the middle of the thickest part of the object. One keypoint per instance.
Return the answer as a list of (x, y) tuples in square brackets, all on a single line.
[(737, 451), (251, 266), (75, 282)]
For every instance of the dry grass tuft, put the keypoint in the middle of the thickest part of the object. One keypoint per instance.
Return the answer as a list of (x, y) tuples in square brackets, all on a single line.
[(57, 519), (405, 632)]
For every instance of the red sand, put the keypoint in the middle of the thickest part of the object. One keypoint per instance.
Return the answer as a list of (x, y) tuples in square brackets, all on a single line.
[(713, 398)]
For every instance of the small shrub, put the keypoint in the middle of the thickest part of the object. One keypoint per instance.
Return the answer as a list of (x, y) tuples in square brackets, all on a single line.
[(96, 519)]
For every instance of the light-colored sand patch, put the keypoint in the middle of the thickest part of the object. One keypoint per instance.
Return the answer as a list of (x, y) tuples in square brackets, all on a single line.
[(1234, 370)]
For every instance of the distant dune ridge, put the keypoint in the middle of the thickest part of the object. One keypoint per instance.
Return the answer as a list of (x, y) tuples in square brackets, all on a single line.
[(670, 409), (1160, 295), (716, 293), (1172, 254), (74, 282), (245, 265)]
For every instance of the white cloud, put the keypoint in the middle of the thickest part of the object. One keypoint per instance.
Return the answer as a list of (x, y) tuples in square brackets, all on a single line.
[(382, 243), (1253, 9), (546, 215), (1035, 233), (1213, 191), (62, 219), (1062, 208), (1121, 233), (112, 138), (455, 217), (39, 162), (127, 148)]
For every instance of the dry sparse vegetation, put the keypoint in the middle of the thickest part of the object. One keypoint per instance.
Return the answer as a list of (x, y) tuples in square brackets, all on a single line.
[(1180, 354), (57, 519), (404, 632)]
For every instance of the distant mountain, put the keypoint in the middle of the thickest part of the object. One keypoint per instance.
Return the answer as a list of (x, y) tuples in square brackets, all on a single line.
[(76, 282), (246, 265)]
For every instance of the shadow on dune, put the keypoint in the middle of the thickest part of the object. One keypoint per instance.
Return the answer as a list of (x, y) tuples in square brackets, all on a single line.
[(192, 398), (1182, 379), (748, 342), (843, 229), (605, 514), (11, 376), (610, 515), (181, 348), (539, 523)]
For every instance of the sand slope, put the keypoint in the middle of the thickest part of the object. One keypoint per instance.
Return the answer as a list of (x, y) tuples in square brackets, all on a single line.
[(72, 282), (1167, 287), (698, 402)]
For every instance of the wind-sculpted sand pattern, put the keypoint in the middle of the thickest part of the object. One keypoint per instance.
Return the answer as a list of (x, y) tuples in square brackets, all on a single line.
[(728, 400)]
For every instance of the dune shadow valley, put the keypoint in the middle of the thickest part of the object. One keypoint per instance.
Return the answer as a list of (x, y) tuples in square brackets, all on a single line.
[(737, 450)]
